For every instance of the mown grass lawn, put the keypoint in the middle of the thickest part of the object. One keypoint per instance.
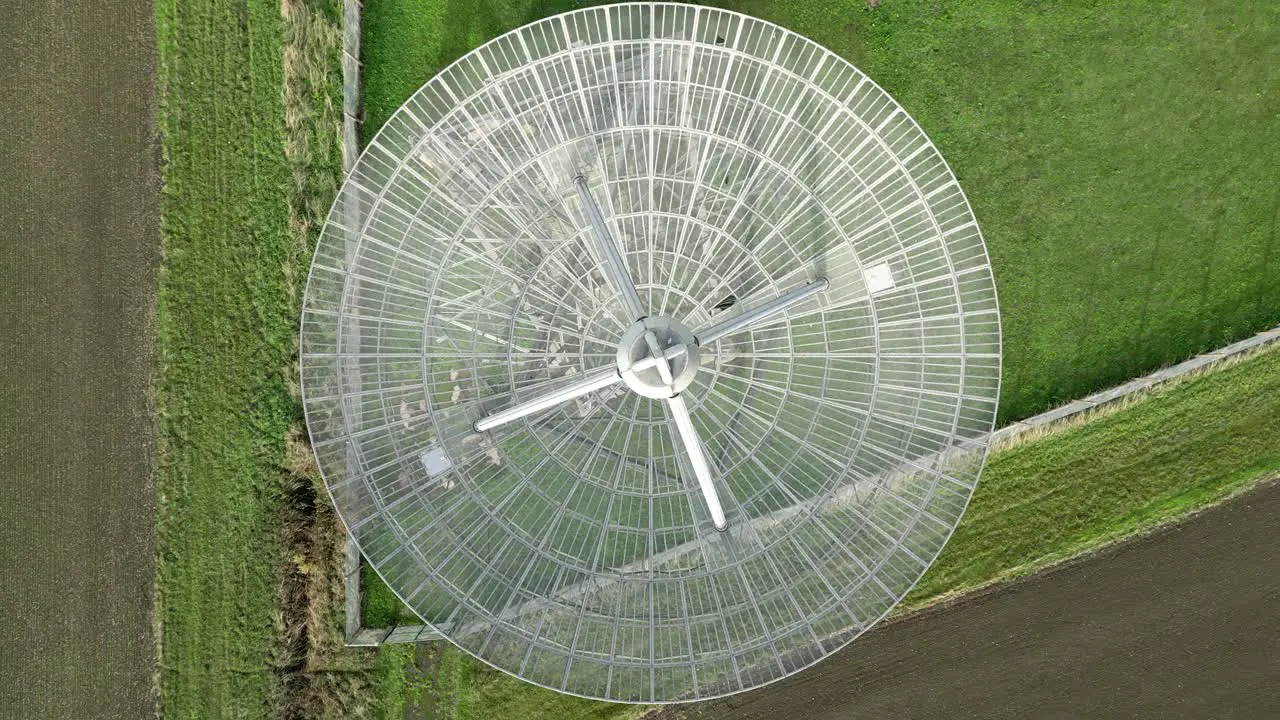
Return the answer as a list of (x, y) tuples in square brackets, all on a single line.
[(1113, 154)]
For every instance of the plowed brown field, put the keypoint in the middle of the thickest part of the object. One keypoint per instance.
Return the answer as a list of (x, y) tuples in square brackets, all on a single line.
[(78, 250), (1182, 623)]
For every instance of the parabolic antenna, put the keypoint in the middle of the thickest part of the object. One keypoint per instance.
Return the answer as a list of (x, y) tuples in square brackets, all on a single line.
[(650, 352)]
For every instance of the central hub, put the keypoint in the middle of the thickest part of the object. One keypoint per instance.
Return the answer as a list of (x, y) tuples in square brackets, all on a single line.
[(658, 357)]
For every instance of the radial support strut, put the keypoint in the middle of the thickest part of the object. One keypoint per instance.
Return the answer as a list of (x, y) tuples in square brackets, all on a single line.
[(615, 266), (701, 468), (753, 315), (588, 383)]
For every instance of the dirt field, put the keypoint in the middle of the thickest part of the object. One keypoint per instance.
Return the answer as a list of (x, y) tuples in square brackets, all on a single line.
[(78, 252), (1181, 623)]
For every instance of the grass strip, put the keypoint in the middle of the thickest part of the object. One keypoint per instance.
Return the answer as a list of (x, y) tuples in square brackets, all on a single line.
[(1171, 451), (249, 579), (224, 336), (1176, 449)]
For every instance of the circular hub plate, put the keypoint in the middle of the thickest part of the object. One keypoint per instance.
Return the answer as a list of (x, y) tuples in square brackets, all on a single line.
[(658, 357)]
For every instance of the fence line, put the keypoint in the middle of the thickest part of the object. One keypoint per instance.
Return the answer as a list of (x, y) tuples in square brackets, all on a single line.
[(1146, 382)]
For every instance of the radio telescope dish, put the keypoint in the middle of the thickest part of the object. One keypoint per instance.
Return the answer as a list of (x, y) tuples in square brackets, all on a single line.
[(650, 352)]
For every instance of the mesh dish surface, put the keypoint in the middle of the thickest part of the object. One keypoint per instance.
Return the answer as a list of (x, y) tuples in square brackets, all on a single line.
[(732, 160)]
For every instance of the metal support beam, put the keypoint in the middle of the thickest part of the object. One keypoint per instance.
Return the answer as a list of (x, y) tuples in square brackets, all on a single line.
[(615, 266), (755, 314), (701, 468), (588, 383)]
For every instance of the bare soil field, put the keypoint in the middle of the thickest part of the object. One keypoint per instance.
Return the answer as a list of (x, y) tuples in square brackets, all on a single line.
[(1179, 623), (79, 180)]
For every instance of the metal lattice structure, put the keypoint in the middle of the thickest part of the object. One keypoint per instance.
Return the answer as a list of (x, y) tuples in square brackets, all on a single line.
[(650, 352)]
